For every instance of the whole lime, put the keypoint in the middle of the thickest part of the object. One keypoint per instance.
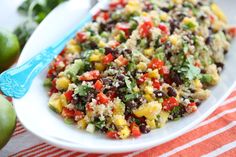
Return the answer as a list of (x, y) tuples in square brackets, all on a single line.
[(9, 49), (7, 121)]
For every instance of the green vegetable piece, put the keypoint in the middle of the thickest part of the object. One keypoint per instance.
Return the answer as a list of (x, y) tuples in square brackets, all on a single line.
[(75, 68), (82, 90), (47, 83), (207, 78)]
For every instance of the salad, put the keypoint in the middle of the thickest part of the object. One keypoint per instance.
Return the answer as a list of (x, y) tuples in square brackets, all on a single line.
[(138, 65)]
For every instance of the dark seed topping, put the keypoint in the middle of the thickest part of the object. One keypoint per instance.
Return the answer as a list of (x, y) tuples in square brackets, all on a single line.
[(144, 129), (208, 40), (159, 94), (165, 9), (171, 92)]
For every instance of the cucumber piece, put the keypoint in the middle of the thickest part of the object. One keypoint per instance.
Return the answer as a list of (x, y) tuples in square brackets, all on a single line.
[(55, 103)]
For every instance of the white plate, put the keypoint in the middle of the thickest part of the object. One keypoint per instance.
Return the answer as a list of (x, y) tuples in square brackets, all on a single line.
[(34, 114)]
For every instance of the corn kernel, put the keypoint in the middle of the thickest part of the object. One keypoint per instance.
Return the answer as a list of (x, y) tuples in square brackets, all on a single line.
[(62, 83), (197, 84), (119, 121), (144, 14), (148, 97), (82, 124), (142, 66), (96, 56), (148, 90), (218, 12), (99, 66), (164, 17), (149, 110), (124, 133), (174, 39), (149, 52), (63, 100), (177, 1), (151, 124), (154, 74), (136, 89), (133, 6), (163, 118), (73, 47), (119, 107), (102, 44)]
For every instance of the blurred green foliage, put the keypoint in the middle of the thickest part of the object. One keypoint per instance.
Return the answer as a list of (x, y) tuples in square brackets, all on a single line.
[(34, 11)]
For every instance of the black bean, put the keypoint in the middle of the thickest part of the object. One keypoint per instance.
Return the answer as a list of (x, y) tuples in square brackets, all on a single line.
[(226, 51), (165, 9), (171, 92), (192, 90), (159, 94), (93, 45), (176, 78), (115, 53), (108, 50), (173, 26), (107, 81), (200, 3), (203, 71), (220, 65), (131, 105), (120, 77), (144, 129), (128, 51), (208, 40)]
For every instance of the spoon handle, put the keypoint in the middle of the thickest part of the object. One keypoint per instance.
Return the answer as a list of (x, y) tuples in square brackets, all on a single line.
[(15, 82)]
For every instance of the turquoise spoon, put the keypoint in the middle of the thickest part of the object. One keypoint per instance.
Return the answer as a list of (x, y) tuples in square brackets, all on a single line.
[(16, 82)]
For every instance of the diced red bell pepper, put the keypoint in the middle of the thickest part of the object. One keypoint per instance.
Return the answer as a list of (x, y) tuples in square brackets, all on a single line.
[(112, 134), (69, 95), (81, 37), (163, 39), (79, 114), (122, 61), (103, 14), (124, 27), (113, 5), (90, 75), (143, 78), (68, 113), (114, 44), (170, 103), (164, 29), (212, 19), (111, 94), (108, 59), (192, 107), (156, 84), (156, 64), (98, 85), (135, 130), (164, 70), (88, 107), (102, 98), (232, 32), (144, 29)]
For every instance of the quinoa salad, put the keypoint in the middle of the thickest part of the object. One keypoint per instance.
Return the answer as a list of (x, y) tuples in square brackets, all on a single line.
[(138, 65)]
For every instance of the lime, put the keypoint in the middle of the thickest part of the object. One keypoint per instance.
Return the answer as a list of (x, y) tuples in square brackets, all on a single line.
[(7, 121), (9, 49)]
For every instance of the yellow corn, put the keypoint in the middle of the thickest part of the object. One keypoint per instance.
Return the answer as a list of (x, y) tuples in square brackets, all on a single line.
[(154, 74), (136, 89), (62, 83), (148, 97), (124, 133), (149, 52), (63, 100), (177, 1), (102, 44), (73, 47), (163, 118), (149, 110), (99, 66), (164, 17), (197, 84), (174, 39), (142, 66), (148, 89), (133, 6), (119, 108), (82, 124), (218, 12), (193, 22), (144, 14), (119, 121), (96, 56), (151, 124)]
